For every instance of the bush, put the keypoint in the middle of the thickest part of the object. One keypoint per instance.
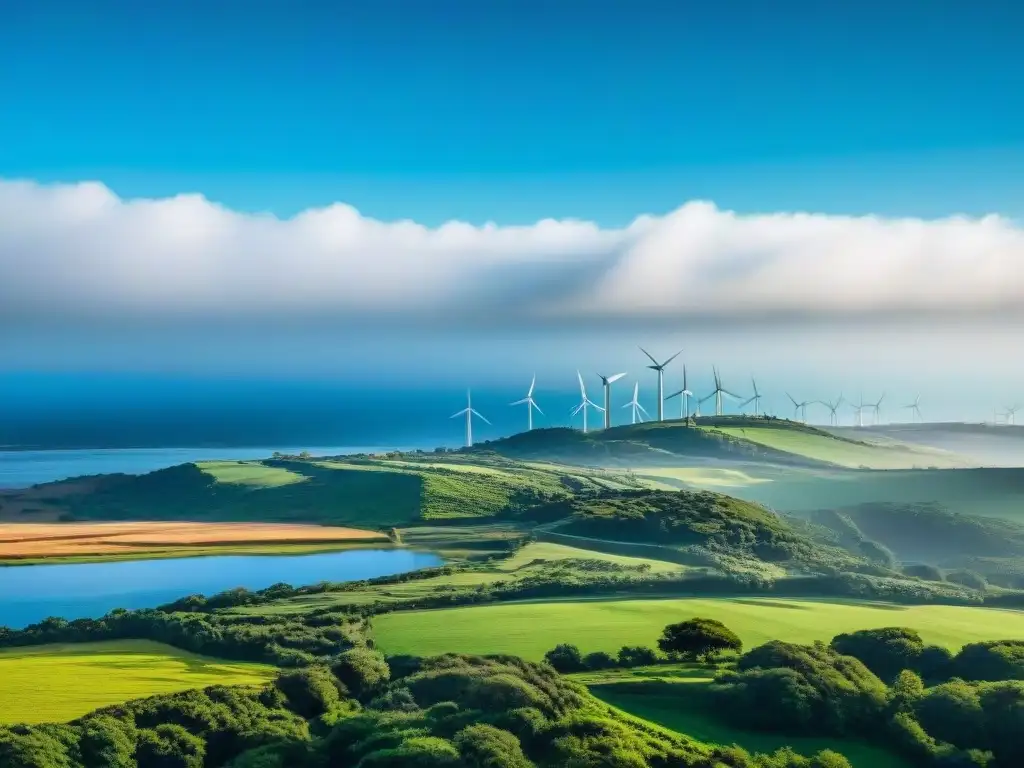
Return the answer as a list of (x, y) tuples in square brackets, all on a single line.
[(169, 746), (886, 651), (311, 691), (993, 660), (362, 671), (637, 656), (565, 658), (599, 660), (698, 638), (923, 571), (967, 578), (484, 746)]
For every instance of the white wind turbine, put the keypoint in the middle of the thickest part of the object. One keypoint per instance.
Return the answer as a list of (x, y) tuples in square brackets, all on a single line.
[(915, 411), (607, 382), (717, 394), (1010, 413), (877, 408), (660, 368), (635, 404), (833, 410), (530, 404), (799, 409), (756, 399), (585, 402), (469, 413), (684, 396)]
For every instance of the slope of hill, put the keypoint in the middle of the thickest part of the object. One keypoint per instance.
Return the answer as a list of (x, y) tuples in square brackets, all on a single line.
[(725, 438), (986, 445)]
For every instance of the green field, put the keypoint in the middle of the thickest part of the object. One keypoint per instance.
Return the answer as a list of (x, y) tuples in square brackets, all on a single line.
[(250, 473), (531, 629), (52, 683), (555, 552)]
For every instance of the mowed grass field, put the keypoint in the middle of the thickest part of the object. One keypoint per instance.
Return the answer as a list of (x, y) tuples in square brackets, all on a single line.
[(20, 541), (250, 473), (532, 629), (56, 683), (844, 453)]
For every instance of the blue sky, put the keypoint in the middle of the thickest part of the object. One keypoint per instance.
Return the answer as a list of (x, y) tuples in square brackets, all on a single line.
[(515, 111), (837, 147)]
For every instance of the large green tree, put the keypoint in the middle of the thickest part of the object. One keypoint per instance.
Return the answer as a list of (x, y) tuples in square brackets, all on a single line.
[(698, 639)]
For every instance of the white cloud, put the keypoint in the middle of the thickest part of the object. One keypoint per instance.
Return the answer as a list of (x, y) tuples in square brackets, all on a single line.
[(78, 254)]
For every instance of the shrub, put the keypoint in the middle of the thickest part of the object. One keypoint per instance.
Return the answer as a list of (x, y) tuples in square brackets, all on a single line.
[(923, 571), (637, 656), (993, 660), (698, 638), (310, 691), (565, 658), (362, 671), (599, 660), (968, 578), (886, 651)]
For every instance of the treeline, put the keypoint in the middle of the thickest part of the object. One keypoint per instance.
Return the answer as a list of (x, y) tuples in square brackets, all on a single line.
[(285, 641), (446, 712), (939, 709)]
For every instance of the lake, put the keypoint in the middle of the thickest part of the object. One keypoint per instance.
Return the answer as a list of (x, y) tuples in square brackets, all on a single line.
[(31, 593), (21, 469)]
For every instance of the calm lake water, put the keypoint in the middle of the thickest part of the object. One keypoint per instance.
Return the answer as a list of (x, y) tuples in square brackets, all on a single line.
[(21, 469), (33, 592)]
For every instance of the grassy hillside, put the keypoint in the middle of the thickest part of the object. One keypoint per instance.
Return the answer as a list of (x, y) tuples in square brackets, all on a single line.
[(60, 682), (357, 491), (532, 629)]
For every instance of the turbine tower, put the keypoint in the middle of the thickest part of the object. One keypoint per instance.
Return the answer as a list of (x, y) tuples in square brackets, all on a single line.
[(469, 413), (635, 404), (585, 402), (799, 409), (756, 399), (530, 404), (717, 394), (660, 368), (859, 409), (684, 396), (915, 411), (607, 382)]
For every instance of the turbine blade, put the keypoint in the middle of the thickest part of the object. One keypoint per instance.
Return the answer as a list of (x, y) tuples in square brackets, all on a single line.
[(520, 402), (537, 407), (577, 409), (616, 377), (583, 390), (677, 354), (479, 415), (460, 413), (532, 385), (792, 400), (643, 410), (649, 355), (675, 394)]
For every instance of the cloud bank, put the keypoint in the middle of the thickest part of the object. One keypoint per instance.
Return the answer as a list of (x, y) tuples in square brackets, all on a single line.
[(78, 255)]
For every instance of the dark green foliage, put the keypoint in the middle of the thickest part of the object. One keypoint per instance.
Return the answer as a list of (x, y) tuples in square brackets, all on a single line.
[(362, 671), (637, 656), (107, 742), (993, 660), (599, 660), (787, 687), (889, 650), (967, 578), (565, 658), (484, 746), (310, 692), (169, 746), (698, 639)]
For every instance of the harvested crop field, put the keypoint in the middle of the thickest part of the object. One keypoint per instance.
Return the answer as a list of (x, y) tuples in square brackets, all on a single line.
[(35, 540)]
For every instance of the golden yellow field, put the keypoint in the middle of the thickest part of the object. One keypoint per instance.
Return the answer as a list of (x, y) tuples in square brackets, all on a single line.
[(33, 540)]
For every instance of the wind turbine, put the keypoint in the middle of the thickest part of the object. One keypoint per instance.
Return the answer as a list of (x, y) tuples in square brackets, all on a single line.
[(717, 394), (530, 404), (1010, 412), (607, 382), (799, 409), (660, 368), (585, 402), (833, 408), (915, 411), (878, 408), (635, 404), (756, 399), (469, 413), (684, 396), (859, 410)]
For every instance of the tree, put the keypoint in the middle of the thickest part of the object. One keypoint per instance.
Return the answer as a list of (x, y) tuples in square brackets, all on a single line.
[(565, 658), (169, 746), (698, 639), (885, 651), (599, 660), (637, 656), (484, 746)]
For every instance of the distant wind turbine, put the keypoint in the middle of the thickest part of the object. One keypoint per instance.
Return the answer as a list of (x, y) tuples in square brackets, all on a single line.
[(660, 368), (877, 408), (799, 409), (530, 404), (833, 410), (684, 396), (858, 409), (607, 382), (915, 411), (469, 413), (635, 404), (585, 402), (717, 394), (756, 399), (1010, 413)]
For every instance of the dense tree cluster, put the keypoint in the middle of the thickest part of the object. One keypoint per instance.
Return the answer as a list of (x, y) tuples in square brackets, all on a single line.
[(446, 712)]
